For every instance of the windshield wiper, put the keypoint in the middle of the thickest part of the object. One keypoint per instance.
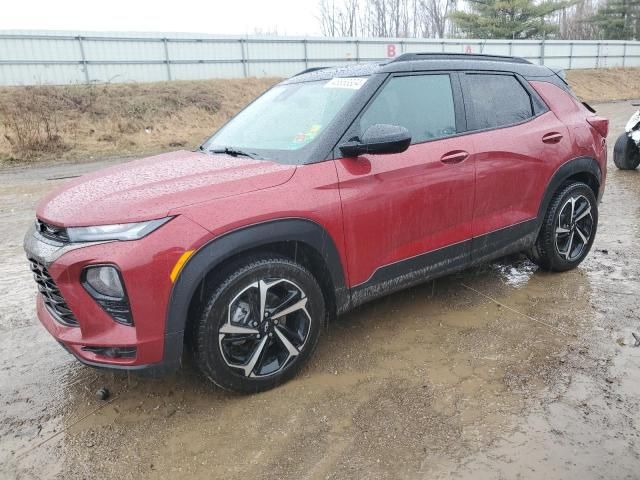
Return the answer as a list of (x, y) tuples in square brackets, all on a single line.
[(234, 152)]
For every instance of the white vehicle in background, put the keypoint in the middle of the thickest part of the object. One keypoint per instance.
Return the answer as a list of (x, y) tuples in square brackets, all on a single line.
[(626, 153)]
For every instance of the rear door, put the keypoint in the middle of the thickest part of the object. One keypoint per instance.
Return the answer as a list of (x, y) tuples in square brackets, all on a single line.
[(409, 214), (517, 144)]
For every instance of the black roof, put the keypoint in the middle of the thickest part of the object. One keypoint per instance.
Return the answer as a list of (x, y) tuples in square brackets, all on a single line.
[(405, 57), (415, 62)]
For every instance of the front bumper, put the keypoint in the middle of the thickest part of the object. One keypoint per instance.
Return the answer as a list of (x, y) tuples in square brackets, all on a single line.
[(145, 266)]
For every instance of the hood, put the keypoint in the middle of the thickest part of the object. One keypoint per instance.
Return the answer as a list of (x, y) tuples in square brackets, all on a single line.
[(151, 187)]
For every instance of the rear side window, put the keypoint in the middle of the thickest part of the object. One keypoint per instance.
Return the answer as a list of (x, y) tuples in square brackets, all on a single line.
[(495, 101), (421, 103)]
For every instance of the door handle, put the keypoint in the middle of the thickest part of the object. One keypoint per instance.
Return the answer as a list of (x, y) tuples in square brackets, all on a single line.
[(456, 156), (553, 137)]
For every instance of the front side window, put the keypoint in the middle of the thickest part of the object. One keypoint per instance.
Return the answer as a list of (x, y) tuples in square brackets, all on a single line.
[(421, 103), (495, 101), (286, 119)]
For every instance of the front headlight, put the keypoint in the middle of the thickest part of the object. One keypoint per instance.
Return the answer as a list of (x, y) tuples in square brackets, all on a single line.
[(120, 231)]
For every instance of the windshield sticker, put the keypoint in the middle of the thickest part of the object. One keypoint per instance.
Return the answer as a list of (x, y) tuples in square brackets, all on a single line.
[(309, 135), (351, 83), (313, 130)]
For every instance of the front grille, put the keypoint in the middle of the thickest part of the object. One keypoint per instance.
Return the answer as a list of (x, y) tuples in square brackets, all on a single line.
[(51, 295), (52, 232)]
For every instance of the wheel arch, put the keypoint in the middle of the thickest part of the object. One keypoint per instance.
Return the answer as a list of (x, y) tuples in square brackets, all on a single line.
[(300, 239), (583, 169)]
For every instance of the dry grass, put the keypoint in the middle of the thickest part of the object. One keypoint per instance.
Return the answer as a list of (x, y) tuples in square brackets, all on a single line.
[(605, 85), (89, 121), (95, 121)]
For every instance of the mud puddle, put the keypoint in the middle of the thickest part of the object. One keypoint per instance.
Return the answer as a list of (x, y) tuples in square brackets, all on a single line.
[(498, 372)]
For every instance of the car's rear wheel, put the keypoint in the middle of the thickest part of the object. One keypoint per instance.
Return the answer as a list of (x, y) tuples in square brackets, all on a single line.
[(626, 154), (260, 326), (569, 229)]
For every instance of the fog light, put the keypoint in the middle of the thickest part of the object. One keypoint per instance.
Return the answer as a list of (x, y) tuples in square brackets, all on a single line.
[(104, 284), (105, 280)]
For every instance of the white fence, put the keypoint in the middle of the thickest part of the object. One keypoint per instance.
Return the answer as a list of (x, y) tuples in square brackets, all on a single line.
[(29, 57)]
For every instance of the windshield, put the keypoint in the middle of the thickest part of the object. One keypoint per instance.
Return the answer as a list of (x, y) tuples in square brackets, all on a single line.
[(285, 120)]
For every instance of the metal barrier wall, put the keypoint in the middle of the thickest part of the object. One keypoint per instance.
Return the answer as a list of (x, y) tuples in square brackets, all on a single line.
[(33, 57)]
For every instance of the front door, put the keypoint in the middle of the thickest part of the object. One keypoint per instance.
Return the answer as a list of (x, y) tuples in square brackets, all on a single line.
[(408, 215)]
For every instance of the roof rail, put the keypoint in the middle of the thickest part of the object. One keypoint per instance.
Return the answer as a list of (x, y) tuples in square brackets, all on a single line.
[(309, 70), (407, 57)]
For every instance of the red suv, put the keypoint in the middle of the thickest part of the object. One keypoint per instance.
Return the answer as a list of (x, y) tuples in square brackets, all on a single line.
[(335, 187)]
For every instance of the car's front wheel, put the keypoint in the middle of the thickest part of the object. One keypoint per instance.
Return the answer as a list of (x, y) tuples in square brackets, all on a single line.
[(260, 325), (568, 230)]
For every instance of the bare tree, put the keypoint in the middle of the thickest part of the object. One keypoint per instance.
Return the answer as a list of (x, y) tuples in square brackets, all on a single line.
[(378, 18), (430, 18), (348, 19), (328, 18), (339, 18), (574, 21), (386, 18), (436, 12)]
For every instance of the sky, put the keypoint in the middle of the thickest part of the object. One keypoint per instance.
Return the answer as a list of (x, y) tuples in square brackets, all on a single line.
[(286, 17)]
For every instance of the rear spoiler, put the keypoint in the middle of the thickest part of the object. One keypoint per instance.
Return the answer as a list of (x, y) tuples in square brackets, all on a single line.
[(561, 74)]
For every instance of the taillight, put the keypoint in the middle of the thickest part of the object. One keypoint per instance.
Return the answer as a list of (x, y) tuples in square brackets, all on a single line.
[(601, 125)]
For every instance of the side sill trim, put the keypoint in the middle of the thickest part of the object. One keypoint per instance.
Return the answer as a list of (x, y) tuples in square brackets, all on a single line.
[(497, 230), (436, 263)]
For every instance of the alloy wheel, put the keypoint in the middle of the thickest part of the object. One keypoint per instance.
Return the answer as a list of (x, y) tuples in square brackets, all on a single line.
[(574, 227), (267, 326)]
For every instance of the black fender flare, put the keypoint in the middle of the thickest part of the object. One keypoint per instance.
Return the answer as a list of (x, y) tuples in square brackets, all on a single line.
[(227, 245), (588, 165)]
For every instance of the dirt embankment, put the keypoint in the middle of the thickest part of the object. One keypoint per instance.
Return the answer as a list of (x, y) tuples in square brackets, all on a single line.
[(605, 85), (83, 122)]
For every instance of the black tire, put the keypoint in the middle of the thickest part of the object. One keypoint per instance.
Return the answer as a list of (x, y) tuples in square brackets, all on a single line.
[(626, 154), (239, 296), (560, 245)]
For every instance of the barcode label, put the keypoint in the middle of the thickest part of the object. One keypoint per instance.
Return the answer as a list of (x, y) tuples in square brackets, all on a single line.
[(352, 83)]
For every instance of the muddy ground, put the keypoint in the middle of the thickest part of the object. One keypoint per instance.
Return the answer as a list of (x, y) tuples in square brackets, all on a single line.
[(498, 372)]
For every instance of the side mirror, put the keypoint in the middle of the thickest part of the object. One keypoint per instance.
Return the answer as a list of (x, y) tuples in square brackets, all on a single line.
[(379, 139)]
